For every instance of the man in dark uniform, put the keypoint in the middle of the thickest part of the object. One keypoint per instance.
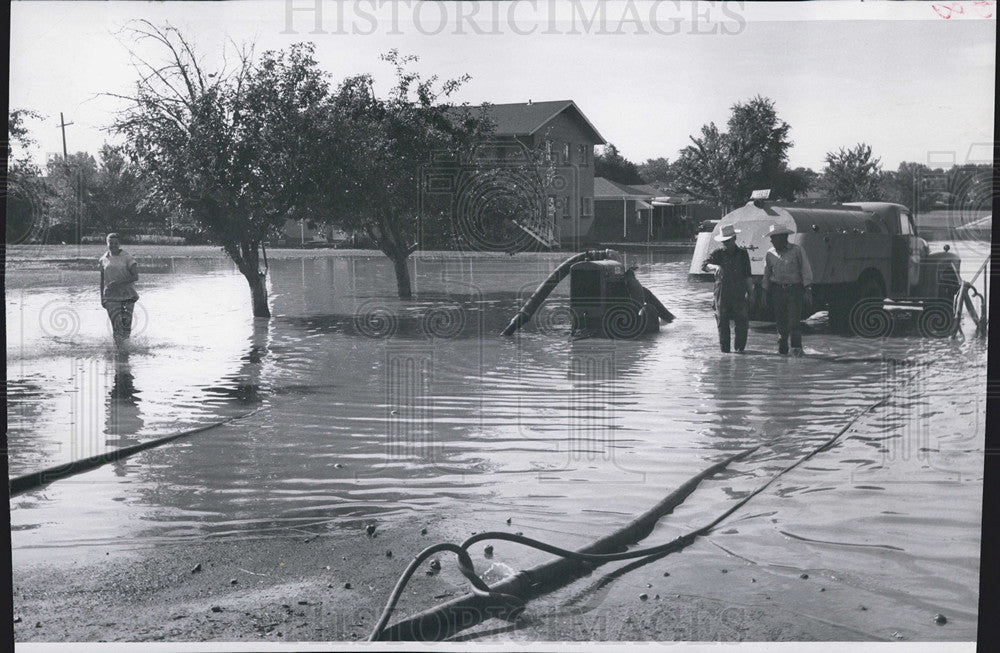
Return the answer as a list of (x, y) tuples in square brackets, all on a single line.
[(733, 284)]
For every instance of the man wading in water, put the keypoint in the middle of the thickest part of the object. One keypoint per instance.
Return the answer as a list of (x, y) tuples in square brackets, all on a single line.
[(788, 277), (733, 284), (118, 272)]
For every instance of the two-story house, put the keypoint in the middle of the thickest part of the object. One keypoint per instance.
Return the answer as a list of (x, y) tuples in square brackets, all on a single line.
[(566, 138)]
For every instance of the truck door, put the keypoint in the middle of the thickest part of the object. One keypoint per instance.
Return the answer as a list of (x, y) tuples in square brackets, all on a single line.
[(904, 248)]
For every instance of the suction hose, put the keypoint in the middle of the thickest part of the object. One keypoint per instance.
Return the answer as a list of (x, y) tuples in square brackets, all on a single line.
[(550, 283)]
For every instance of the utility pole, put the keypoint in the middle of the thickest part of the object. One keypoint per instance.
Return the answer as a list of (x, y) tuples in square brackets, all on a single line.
[(63, 124)]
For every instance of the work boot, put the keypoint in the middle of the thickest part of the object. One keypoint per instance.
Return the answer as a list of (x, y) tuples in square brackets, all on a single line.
[(783, 347), (797, 352)]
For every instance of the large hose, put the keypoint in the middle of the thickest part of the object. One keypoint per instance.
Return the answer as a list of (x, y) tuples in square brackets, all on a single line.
[(506, 598), (550, 283), (34, 480), (500, 599)]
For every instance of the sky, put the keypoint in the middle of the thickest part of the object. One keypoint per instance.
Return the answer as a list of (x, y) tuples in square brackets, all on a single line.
[(913, 80)]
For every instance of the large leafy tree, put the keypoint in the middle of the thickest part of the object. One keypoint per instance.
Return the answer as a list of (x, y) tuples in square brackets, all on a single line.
[(393, 138), (853, 174), (610, 164), (658, 172), (70, 182), (725, 167), (26, 192), (239, 149), (118, 199)]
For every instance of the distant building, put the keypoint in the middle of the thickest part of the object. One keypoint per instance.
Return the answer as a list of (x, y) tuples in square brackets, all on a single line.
[(300, 233), (644, 213), (563, 132)]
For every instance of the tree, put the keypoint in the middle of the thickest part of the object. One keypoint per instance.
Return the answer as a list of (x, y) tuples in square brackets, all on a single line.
[(852, 174), (610, 164), (239, 149), (70, 182), (392, 138), (704, 169), (118, 199), (26, 193), (658, 172), (725, 167)]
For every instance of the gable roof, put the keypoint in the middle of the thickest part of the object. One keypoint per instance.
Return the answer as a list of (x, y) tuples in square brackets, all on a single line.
[(605, 189), (527, 118)]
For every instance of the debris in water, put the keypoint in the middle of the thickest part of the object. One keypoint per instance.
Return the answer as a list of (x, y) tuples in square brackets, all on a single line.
[(423, 531), (803, 575), (435, 564), (38, 624), (822, 589), (370, 530), (216, 608), (753, 580), (388, 554), (896, 635), (303, 602), (196, 568), (862, 608), (488, 551), (232, 581), (940, 619), (725, 571), (666, 573), (643, 596), (508, 521), (347, 586)]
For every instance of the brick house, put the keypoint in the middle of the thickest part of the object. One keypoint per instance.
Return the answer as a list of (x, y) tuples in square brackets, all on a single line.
[(563, 132)]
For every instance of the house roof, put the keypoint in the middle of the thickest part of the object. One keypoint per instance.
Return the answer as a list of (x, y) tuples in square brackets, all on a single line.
[(605, 189), (527, 118)]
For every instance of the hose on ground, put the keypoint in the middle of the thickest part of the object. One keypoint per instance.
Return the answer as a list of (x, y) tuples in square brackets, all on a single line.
[(481, 589)]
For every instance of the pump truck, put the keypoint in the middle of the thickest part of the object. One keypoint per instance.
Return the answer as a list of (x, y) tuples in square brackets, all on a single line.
[(867, 260)]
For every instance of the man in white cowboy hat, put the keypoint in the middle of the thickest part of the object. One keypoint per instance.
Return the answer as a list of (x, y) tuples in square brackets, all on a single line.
[(787, 285), (733, 285)]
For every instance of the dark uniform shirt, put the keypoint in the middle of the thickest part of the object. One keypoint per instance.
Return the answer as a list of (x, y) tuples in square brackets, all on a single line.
[(731, 275)]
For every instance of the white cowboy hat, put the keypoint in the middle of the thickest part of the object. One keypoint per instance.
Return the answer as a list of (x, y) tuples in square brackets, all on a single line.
[(778, 230), (727, 232)]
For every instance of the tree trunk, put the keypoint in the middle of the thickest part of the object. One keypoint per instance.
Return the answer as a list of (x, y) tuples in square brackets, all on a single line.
[(247, 258), (402, 277), (258, 294)]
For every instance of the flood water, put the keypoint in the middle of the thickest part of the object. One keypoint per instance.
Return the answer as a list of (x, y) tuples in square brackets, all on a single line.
[(356, 405)]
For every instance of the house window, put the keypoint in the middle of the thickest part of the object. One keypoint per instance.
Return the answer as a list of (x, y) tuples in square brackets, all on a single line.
[(550, 152), (565, 153), (550, 206), (584, 151), (586, 206), (567, 208)]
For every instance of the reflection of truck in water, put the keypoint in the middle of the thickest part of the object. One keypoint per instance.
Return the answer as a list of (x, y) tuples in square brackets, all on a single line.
[(861, 254)]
